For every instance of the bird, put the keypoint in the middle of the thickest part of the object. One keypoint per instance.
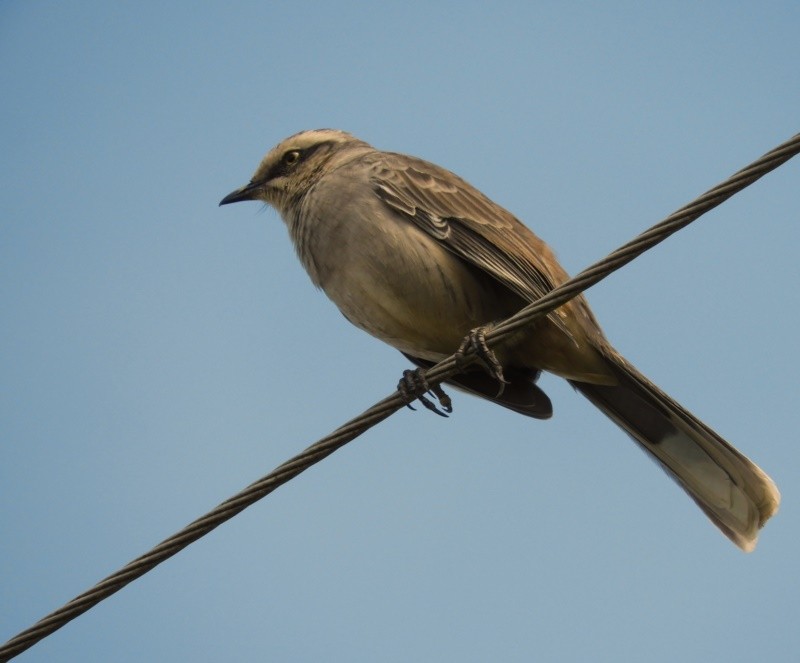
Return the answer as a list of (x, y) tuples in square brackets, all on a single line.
[(414, 255)]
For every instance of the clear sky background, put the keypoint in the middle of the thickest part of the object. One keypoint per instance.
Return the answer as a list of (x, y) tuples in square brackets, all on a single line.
[(158, 353)]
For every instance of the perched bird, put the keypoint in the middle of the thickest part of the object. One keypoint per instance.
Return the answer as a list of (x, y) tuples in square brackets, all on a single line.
[(419, 258)]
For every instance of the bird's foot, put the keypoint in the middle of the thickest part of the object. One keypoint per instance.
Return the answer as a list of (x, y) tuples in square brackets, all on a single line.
[(413, 386), (476, 340)]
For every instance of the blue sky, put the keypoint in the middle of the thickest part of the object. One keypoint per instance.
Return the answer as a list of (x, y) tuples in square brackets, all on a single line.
[(158, 353)]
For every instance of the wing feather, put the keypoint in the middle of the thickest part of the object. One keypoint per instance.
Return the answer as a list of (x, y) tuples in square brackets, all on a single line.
[(468, 224)]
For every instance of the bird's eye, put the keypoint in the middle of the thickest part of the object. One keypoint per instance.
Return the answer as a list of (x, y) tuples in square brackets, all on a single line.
[(291, 157)]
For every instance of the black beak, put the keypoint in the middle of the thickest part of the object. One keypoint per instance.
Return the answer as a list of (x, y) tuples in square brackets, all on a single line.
[(247, 192)]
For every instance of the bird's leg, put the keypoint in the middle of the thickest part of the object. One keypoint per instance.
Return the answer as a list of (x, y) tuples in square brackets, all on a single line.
[(476, 340), (413, 386)]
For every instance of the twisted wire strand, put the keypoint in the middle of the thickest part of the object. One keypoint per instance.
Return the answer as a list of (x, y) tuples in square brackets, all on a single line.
[(385, 408)]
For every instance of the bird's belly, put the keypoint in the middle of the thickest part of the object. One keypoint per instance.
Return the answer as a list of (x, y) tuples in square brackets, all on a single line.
[(420, 299)]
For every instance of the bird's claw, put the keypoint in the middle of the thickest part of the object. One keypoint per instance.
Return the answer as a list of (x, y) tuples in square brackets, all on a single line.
[(413, 386), (476, 340)]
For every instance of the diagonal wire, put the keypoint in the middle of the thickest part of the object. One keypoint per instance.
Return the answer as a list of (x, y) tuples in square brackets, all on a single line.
[(383, 409)]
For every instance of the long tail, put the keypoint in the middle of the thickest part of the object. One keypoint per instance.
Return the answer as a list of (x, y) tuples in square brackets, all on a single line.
[(733, 491)]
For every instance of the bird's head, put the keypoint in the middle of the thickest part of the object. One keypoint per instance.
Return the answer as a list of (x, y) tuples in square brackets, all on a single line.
[(292, 167)]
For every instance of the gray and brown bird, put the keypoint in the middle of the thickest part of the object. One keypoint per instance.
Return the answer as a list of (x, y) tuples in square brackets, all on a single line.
[(417, 257)]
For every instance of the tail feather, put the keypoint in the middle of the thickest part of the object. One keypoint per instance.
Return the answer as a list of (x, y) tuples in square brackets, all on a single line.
[(733, 491)]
